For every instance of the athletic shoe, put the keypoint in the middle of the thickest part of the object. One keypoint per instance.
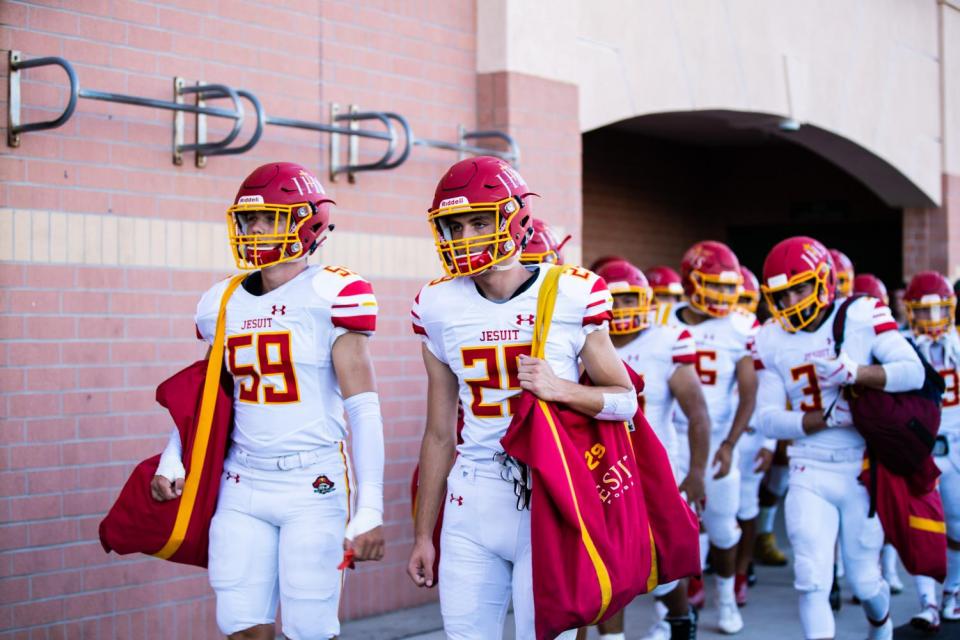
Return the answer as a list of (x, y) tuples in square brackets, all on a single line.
[(729, 621), (927, 620), (766, 552), (950, 609)]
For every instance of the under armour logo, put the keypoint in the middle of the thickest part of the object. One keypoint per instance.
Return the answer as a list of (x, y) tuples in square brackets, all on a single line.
[(282, 310), (524, 318), (457, 499), (233, 476)]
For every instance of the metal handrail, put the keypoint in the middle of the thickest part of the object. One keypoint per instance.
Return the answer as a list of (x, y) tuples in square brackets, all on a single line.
[(398, 148)]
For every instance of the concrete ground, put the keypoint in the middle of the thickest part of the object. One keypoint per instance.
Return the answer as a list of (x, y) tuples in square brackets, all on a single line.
[(771, 612)]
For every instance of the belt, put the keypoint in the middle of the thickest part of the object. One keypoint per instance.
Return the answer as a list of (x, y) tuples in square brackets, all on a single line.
[(282, 463), (847, 454)]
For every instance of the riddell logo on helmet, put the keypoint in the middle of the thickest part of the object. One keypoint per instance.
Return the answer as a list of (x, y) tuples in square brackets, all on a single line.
[(449, 202), (250, 200)]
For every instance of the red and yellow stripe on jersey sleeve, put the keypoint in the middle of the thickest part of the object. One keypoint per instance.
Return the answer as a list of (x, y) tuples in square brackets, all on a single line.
[(355, 308)]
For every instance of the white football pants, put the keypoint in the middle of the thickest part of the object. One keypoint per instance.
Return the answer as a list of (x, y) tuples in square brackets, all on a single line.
[(279, 533), (747, 448), (719, 516), (485, 557), (826, 498)]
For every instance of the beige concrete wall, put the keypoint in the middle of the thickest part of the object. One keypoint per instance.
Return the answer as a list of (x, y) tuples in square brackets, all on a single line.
[(867, 71)]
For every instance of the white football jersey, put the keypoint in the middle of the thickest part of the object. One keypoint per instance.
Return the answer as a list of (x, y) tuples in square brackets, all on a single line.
[(788, 355), (721, 344), (944, 356), (481, 341), (655, 353), (278, 348)]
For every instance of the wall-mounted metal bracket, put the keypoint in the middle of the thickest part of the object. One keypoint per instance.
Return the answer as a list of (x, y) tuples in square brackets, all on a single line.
[(395, 132)]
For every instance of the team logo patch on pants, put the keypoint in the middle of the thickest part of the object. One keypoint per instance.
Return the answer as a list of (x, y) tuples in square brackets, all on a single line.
[(323, 485)]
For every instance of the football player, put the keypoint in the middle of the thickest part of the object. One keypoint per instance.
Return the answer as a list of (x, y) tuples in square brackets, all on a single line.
[(755, 454), (711, 278), (667, 290), (796, 364), (296, 346), (931, 304), (844, 268), (665, 358), (870, 285), (543, 245), (477, 325)]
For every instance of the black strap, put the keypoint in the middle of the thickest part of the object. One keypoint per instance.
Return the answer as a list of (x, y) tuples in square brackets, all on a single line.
[(839, 322), (872, 472)]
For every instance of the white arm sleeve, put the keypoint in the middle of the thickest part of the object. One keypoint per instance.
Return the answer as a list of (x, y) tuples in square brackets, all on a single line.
[(772, 417), (619, 406), (900, 362), (171, 460), (363, 413)]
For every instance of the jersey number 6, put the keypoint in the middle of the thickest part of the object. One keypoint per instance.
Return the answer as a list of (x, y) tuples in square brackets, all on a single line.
[(272, 358)]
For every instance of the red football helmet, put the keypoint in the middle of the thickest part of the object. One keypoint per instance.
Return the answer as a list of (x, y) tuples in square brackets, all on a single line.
[(844, 270), (871, 285), (791, 263), (931, 304), (710, 273), (481, 185), (294, 200), (623, 280), (664, 281), (543, 245), (599, 262), (749, 291)]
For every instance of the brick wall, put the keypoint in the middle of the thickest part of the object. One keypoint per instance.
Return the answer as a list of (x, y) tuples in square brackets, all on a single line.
[(106, 245)]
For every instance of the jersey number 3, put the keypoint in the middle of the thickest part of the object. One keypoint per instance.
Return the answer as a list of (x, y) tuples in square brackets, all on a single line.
[(491, 357), (272, 357)]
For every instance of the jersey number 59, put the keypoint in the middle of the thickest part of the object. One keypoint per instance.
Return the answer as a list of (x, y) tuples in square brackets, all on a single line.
[(272, 358)]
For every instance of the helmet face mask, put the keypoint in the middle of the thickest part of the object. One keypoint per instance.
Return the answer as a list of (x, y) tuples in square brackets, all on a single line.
[(715, 295), (632, 296), (467, 255), (748, 300), (843, 267), (631, 310), (543, 246), (490, 187), (280, 214), (710, 275), (800, 314), (931, 304), (798, 282), (933, 317), (281, 243)]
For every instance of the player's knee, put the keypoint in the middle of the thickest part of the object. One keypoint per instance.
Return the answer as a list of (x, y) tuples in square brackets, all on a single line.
[(865, 587), (808, 577), (256, 632), (302, 621), (723, 531)]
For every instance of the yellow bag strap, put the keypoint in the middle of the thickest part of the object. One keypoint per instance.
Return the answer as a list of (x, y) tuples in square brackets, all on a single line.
[(546, 301), (211, 384)]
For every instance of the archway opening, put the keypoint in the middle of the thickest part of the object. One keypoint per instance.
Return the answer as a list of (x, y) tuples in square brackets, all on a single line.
[(654, 185)]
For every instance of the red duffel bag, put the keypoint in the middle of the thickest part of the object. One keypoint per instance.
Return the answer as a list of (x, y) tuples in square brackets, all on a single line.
[(200, 401), (595, 547)]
